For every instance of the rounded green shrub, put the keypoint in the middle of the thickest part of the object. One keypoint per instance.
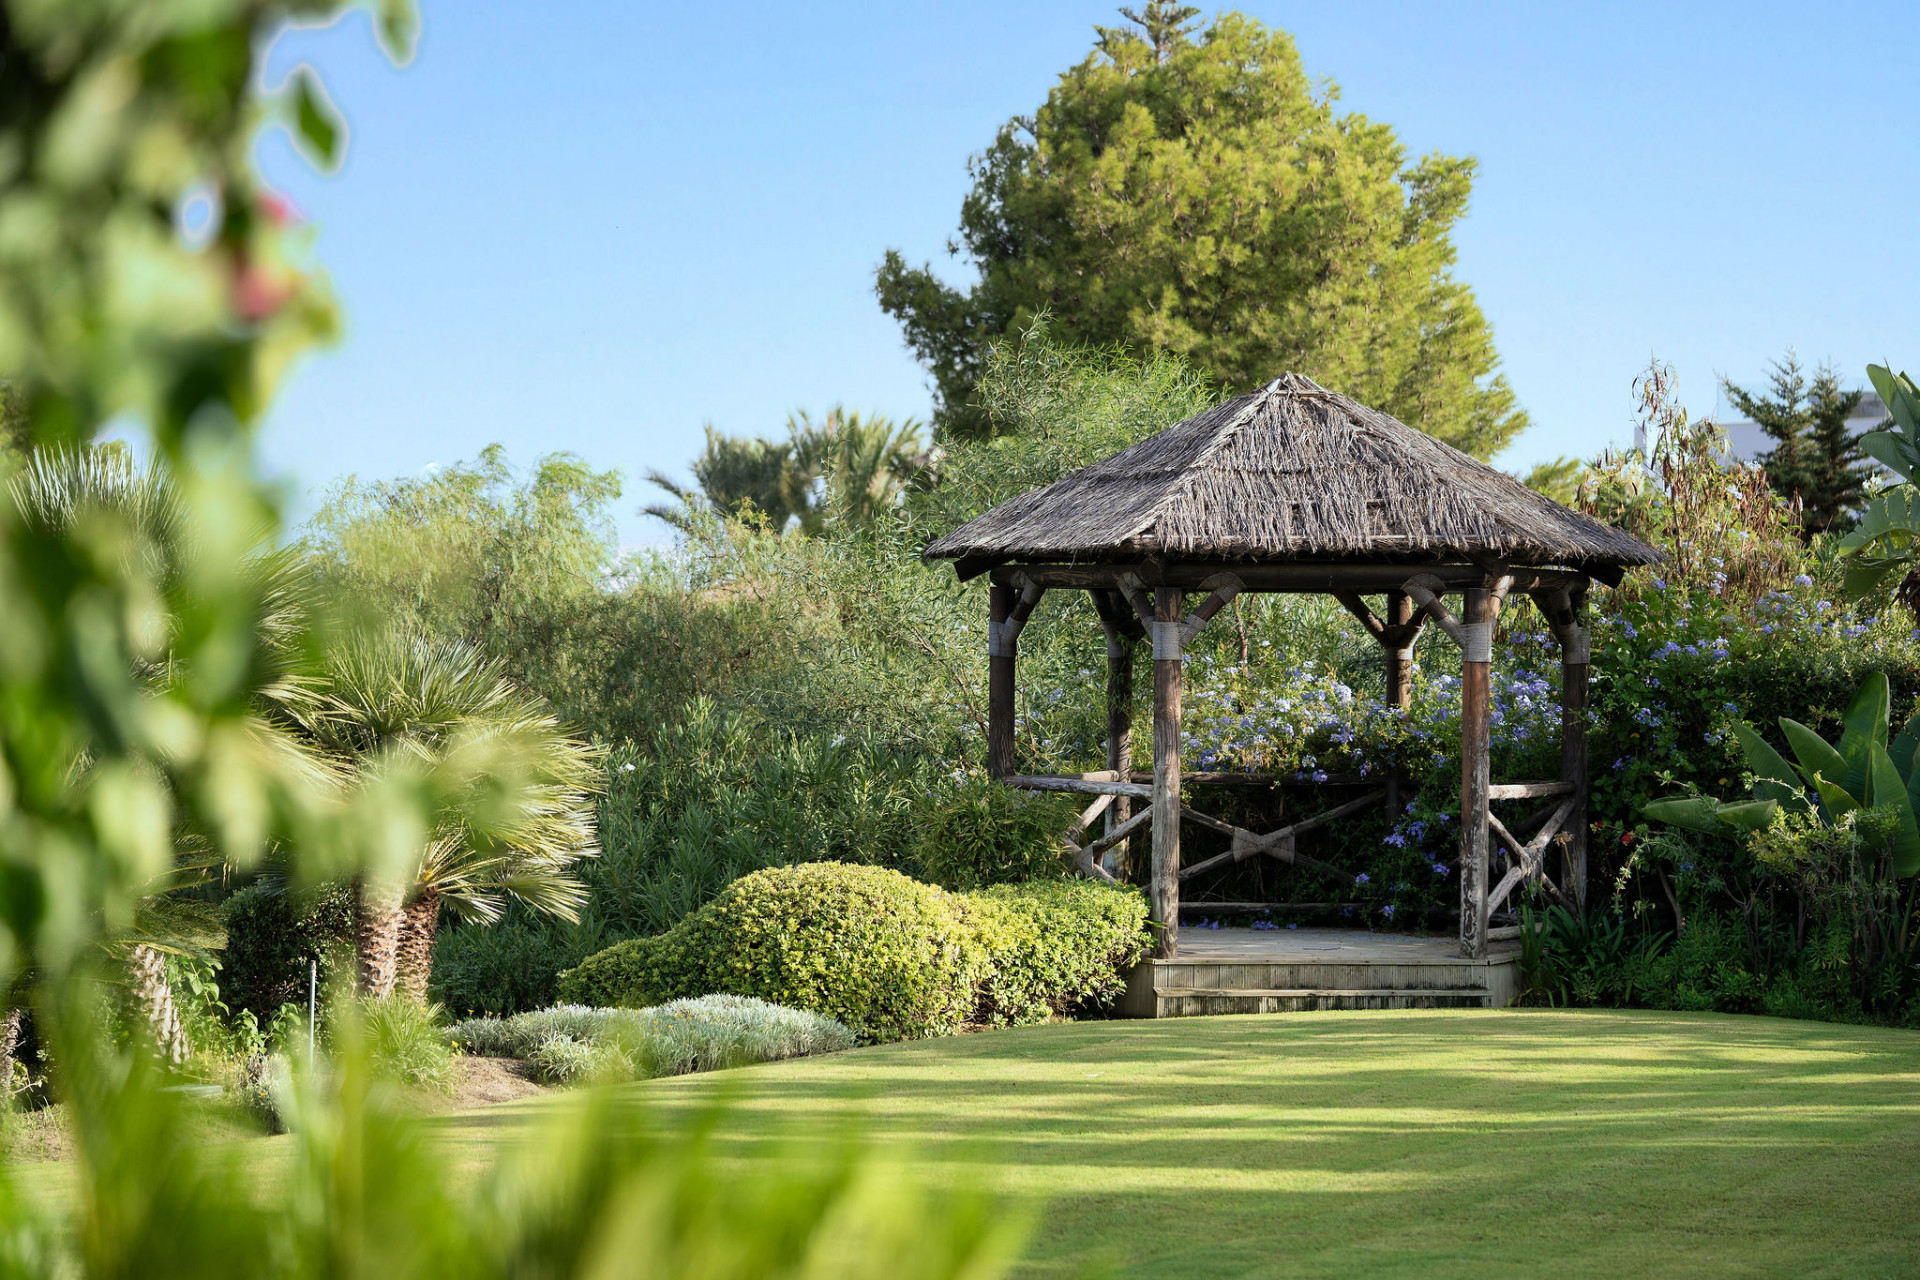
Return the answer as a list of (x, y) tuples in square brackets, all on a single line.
[(890, 957), (1054, 946)]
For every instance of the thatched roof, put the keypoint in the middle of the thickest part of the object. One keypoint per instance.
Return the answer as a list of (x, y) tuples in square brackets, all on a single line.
[(1291, 472)]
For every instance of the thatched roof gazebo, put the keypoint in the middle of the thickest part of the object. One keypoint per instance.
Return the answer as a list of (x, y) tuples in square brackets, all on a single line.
[(1295, 488)]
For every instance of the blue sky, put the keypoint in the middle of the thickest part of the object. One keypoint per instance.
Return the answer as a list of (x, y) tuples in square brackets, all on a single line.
[(595, 227)]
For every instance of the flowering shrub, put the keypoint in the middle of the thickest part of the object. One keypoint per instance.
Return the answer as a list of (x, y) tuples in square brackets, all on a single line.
[(1302, 721), (1274, 717)]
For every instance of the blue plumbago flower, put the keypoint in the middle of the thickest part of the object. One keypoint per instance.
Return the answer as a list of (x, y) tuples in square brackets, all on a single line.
[(1660, 584), (1293, 924), (1620, 764), (1730, 708), (1387, 911), (1362, 878), (1395, 839), (1802, 580), (1442, 869)]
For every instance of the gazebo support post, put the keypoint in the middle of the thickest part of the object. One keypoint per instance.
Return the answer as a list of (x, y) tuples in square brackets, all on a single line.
[(1399, 679), (1399, 664), (1166, 771), (1001, 602), (1119, 735), (1575, 660), (1475, 677)]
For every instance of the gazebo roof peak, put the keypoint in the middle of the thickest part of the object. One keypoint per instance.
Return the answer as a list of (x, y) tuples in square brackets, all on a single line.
[(1291, 472)]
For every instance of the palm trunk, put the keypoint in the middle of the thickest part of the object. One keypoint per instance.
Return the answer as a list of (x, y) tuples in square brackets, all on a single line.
[(376, 937), (147, 978), (417, 924)]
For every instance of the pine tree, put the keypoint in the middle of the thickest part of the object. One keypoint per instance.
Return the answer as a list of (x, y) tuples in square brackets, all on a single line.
[(1196, 192), (1814, 457), (1838, 480)]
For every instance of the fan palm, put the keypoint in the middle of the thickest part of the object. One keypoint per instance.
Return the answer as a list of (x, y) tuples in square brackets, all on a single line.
[(398, 695), (132, 506)]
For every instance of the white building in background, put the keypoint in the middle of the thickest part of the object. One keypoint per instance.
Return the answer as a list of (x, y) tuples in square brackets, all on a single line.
[(1747, 441)]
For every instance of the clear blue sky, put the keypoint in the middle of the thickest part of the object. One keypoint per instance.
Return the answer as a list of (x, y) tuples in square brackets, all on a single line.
[(596, 226)]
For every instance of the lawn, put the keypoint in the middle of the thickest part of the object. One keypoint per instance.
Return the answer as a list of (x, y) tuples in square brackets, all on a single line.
[(1418, 1143)]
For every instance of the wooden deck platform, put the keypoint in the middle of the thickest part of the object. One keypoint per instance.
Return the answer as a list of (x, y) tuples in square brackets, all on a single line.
[(1290, 970)]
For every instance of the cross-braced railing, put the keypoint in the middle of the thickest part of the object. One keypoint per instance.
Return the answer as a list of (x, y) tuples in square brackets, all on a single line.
[(1147, 602)]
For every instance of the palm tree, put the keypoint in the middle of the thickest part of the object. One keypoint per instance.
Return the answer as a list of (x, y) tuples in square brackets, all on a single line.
[(846, 465), (58, 488), (404, 697), (375, 701), (868, 464)]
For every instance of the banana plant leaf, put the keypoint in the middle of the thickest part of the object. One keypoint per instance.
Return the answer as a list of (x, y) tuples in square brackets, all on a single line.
[(1864, 577), (1898, 393), (1764, 760), (1865, 728), (1887, 791), (1902, 748), (1710, 816), (1749, 815), (1694, 813), (1895, 514), (1835, 799), (1891, 449), (1815, 754)]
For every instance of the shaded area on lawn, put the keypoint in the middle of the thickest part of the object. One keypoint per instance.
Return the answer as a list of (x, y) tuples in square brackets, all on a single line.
[(1438, 1143)]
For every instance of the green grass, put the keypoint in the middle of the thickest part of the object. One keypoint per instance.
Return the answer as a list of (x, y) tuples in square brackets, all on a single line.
[(1430, 1144)]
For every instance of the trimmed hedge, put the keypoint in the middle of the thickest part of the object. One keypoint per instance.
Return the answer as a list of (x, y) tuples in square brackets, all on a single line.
[(892, 958), (886, 955), (1056, 945)]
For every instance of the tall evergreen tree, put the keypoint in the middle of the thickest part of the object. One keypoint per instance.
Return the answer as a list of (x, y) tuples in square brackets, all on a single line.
[(1836, 463), (1814, 457), (1194, 193)]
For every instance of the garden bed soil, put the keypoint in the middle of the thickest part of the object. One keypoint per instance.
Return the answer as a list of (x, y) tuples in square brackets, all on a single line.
[(480, 1082)]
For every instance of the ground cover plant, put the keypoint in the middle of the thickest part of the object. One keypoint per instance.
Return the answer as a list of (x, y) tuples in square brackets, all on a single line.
[(569, 1044)]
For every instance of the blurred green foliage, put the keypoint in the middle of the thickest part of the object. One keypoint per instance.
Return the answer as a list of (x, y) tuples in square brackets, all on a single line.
[(130, 676)]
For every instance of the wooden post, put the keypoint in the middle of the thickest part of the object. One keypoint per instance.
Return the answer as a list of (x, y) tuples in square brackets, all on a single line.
[(1001, 601), (1476, 648), (1574, 666), (1119, 739), (1399, 671), (1166, 770), (1399, 680)]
